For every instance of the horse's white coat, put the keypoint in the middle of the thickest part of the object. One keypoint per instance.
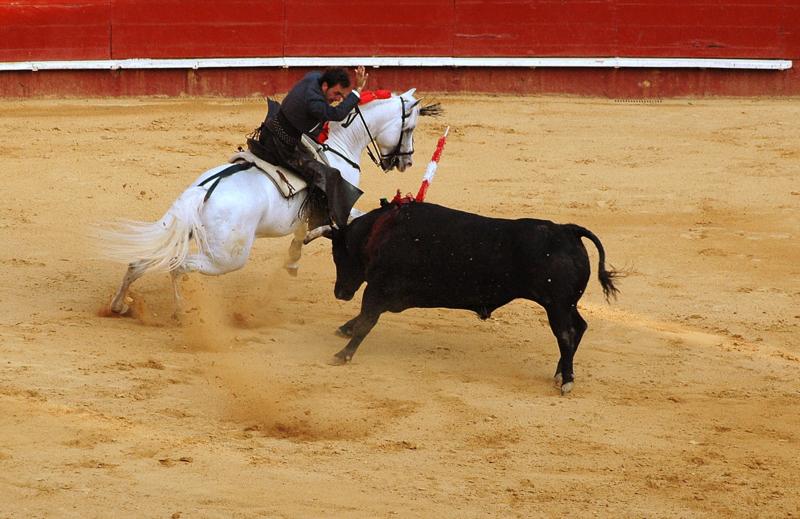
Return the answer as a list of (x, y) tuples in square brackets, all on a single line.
[(216, 237)]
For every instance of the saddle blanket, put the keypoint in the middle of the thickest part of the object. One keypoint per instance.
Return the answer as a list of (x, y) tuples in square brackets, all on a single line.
[(288, 182)]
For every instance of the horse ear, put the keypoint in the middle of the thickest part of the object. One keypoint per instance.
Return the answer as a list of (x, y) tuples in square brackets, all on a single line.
[(408, 93)]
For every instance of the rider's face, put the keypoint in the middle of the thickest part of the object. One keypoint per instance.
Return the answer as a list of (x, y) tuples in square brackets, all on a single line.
[(333, 94)]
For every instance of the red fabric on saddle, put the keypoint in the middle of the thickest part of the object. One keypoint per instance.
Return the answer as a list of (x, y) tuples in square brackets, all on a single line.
[(371, 95), (366, 97), (323, 135)]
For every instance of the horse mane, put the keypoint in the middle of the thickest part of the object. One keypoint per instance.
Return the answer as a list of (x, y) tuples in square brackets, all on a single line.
[(433, 109)]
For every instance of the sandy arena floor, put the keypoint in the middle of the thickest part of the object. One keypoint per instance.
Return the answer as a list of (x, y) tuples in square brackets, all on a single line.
[(687, 393)]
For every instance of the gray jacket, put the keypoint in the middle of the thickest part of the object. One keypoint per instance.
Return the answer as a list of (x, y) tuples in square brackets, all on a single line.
[(305, 105)]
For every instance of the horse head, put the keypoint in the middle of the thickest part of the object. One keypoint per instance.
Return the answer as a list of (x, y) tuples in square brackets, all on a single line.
[(390, 124)]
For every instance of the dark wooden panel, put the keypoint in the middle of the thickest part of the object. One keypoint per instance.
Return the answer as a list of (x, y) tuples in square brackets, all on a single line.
[(199, 28)]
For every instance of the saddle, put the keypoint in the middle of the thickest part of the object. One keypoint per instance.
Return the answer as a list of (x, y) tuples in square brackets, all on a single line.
[(286, 180)]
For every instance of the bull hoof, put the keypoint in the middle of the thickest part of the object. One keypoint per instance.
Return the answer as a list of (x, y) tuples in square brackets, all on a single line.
[(336, 360), (566, 388), (345, 333)]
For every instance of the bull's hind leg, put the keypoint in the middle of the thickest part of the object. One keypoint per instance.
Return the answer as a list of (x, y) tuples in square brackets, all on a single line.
[(134, 272), (296, 249), (568, 327), (580, 327)]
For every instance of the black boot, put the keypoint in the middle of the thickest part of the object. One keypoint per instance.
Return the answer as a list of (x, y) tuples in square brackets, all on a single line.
[(316, 208), (341, 194)]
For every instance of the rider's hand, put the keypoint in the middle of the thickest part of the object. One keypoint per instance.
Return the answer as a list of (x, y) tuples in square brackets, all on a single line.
[(361, 78)]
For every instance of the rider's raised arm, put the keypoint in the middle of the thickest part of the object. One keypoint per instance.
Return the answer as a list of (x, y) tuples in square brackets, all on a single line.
[(322, 111)]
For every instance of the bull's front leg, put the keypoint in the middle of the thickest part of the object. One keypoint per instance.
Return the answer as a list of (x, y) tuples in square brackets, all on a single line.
[(361, 327), (371, 309), (346, 330)]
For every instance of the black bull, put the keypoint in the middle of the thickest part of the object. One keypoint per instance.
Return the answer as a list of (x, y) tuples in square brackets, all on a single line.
[(422, 255)]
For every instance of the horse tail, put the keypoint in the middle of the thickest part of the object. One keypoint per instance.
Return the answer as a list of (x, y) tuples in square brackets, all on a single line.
[(606, 277), (162, 245)]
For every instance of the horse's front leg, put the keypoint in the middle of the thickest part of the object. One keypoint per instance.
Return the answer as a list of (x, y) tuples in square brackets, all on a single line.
[(295, 249)]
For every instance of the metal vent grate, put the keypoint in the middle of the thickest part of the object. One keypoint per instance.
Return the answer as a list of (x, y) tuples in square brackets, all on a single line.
[(639, 101)]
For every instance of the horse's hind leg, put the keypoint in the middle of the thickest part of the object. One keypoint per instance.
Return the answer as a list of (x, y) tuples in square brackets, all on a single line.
[(176, 292), (134, 272), (295, 249)]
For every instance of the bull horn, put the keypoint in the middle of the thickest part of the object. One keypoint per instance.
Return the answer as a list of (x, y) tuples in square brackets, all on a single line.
[(354, 213), (323, 230)]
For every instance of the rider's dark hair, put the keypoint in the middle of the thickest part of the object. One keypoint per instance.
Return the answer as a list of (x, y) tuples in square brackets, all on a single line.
[(335, 76)]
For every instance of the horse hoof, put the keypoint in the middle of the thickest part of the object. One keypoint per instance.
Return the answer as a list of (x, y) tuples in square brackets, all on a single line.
[(292, 270), (121, 311), (566, 388)]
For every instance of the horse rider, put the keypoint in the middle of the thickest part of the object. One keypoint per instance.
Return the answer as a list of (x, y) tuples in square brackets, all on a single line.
[(308, 105)]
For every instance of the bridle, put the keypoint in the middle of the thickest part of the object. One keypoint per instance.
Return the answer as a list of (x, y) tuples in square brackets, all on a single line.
[(383, 161), (388, 161)]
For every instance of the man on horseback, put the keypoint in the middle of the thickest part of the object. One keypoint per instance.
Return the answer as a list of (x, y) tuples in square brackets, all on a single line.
[(307, 105)]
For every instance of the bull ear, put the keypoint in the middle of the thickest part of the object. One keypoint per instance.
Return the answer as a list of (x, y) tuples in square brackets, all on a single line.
[(325, 230)]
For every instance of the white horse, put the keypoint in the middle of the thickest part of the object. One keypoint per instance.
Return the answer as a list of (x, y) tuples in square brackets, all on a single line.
[(248, 205)]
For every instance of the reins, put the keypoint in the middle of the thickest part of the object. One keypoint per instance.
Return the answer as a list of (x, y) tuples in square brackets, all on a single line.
[(378, 158), (341, 155)]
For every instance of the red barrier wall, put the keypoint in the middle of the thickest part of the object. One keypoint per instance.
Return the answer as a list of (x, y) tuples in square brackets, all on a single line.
[(55, 30), (119, 29)]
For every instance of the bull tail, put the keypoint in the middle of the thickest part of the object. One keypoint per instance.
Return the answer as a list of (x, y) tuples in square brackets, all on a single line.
[(606, 277)]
